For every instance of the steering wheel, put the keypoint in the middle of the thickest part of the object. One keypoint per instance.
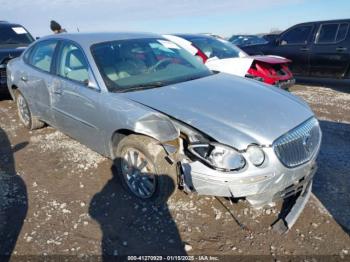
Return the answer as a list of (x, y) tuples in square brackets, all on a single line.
[(160, 63)]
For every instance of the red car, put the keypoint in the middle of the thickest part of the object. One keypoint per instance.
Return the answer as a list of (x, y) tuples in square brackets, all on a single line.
[(221, 55)]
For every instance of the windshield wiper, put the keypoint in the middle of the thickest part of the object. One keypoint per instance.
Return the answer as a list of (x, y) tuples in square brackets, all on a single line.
[(193, 77), (143, 86)]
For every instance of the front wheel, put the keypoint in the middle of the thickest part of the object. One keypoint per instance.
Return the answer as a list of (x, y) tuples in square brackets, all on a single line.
[(143, 168)]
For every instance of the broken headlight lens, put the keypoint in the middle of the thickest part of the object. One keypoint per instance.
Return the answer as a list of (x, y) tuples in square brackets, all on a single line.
[(218, 156)]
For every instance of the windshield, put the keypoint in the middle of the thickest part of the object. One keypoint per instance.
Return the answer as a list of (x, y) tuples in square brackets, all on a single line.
[(127, 65), (14, 35), (219, 48), (247, 40)]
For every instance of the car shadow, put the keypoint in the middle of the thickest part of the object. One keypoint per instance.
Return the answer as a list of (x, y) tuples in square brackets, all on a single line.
[(13, 198), (131, 226), (332, 181), (341, 85)]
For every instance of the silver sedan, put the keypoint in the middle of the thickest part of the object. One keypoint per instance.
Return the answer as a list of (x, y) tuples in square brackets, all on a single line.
[(166, 120)]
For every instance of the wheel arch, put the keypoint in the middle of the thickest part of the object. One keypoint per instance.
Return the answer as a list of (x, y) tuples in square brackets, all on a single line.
[(153, 125), (118, 136), (13, 91), (115, 139)]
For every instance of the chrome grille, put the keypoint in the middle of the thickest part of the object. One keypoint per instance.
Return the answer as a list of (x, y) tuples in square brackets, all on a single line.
[(299, 145)]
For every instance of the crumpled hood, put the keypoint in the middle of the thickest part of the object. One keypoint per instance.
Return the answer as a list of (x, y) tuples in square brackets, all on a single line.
[(232, 110)]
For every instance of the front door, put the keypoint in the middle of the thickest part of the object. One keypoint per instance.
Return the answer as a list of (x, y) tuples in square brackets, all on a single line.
[(294, 44), (75, 105)]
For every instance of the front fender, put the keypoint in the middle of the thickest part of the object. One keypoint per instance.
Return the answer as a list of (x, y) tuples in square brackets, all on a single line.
[(157, 126), (125, 116)]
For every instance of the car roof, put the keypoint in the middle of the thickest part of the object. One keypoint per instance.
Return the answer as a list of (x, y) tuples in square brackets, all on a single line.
[(325, 21), (88, 39)]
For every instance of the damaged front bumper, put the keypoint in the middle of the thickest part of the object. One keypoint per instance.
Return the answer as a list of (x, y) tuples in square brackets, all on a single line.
[(261, 186), (288, 219)]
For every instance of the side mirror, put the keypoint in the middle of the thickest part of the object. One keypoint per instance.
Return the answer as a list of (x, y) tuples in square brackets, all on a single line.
[(37, 38), (90, 84)]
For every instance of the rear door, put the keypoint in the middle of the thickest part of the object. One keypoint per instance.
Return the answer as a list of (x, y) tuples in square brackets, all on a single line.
[(37, 78), (330, 53), (294, 44), (75, 104)]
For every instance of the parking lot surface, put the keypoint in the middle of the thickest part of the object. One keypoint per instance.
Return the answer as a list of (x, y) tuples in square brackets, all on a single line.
[(58, 197)]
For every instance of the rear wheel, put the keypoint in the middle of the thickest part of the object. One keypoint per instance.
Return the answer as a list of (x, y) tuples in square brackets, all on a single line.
[(143, 169), (25, 114)]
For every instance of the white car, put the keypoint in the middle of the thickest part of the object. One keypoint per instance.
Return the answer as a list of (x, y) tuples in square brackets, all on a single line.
[(221, 55)]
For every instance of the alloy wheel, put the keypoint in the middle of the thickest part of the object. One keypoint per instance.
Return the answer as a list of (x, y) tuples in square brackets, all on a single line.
[(138, 172), (23, 110)]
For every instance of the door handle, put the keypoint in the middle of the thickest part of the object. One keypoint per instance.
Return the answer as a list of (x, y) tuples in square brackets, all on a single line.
[(341, 49), (24, 78), (304, 49)]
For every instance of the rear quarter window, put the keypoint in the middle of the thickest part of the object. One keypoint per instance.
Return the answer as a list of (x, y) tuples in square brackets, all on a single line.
[(342, 32)]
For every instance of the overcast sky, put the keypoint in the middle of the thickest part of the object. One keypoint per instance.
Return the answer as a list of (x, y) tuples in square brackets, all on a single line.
[(172, 16)]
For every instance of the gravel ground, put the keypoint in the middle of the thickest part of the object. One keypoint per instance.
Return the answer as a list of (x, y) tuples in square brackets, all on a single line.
[(57, 197), (332, 183)]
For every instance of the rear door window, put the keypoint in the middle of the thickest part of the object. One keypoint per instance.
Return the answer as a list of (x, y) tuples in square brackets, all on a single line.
[(332, 33), (297, 35), (328, 33), (41, 56)]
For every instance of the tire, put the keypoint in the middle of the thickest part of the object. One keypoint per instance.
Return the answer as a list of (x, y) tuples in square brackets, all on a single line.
[(25, 114), (150, 151)]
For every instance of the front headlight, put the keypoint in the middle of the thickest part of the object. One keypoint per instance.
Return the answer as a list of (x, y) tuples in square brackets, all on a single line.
[(218, 156), (213, 154)]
